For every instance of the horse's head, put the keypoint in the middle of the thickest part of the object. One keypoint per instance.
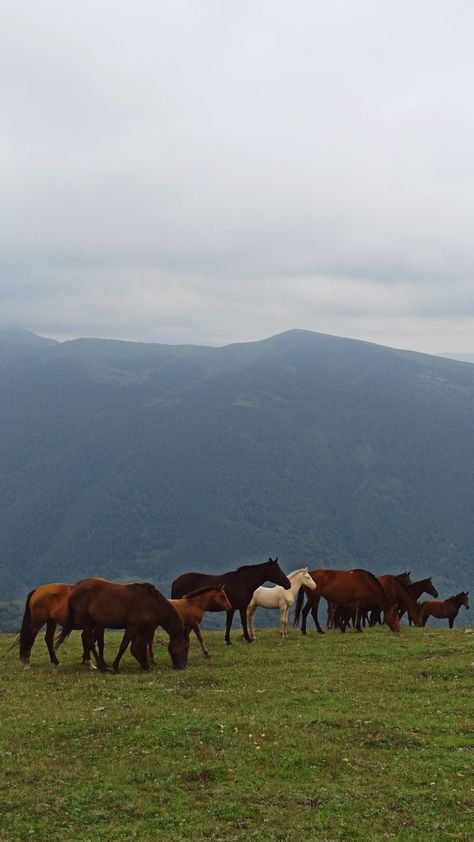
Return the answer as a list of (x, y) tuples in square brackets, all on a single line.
[(276, 575), (417, 615), (404, 578), (308, 580), (464, 599), (430, 588), (391, 618), (220, 599), (178, 648)]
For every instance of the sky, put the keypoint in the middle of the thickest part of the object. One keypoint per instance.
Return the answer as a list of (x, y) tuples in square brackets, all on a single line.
[(211, 172)]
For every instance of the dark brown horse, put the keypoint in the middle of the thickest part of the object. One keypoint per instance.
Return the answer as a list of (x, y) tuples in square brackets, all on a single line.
[(47, 604), (399, 595), (444, 609), (350, 588), (138, 608), (417, 589), (239, 587), (191, 609)]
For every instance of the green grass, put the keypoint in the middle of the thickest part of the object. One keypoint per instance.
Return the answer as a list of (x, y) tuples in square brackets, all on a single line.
[(355, 737)]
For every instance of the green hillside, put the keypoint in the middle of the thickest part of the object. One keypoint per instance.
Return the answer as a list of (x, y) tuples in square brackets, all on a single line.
[(132, 460)]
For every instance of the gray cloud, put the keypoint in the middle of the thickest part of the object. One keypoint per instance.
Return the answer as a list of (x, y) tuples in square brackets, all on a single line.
[(218, 172)]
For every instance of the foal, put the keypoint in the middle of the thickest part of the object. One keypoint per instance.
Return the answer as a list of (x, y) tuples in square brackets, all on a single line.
[(278, 597), (191, 609), (444, 609)]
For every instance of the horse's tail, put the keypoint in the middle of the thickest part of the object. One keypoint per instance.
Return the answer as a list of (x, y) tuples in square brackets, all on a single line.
[(25, 637), (68, 626), (298, 607)]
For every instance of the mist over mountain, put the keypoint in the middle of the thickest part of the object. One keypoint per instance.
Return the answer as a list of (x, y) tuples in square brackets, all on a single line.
[(129, 460)]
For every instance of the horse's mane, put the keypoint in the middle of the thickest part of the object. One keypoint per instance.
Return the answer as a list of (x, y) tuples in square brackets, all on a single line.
[(200, 591), (253, 566), (294, 572)]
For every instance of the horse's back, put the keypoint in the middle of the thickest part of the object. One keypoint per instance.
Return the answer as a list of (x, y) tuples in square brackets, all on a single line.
[(188, 582), (49, 602)]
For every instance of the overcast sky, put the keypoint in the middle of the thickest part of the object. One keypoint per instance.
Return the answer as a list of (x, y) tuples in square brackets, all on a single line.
[(210, 172)]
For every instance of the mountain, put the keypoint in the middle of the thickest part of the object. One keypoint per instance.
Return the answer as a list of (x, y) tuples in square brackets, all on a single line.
[(130, 460)]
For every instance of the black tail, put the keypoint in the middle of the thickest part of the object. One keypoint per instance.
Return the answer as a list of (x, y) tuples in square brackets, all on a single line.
[(298, 607), (68, 626), (26, 637)]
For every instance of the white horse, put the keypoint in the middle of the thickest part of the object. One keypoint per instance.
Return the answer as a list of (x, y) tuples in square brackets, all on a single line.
[(278, 597)]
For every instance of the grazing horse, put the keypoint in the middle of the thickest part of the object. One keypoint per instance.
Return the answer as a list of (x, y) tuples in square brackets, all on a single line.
[(350, 588), (278, 597), (444, 609), (191, 609), (417, 589), (239, 587), (138, 608), (47, 604), (400, 595)]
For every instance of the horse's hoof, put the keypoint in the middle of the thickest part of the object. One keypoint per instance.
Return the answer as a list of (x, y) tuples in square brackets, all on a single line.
[(26, 666), (228, 642)]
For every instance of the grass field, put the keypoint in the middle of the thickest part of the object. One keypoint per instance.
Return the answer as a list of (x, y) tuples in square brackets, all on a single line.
[(341, 737)]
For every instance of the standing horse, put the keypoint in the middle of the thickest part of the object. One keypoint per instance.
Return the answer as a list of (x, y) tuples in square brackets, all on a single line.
[(444, 609), (47, 604), (239, 587), (278, 597), (191, 609), (400, 595), (138, 608), (351, 588), (417, 589)]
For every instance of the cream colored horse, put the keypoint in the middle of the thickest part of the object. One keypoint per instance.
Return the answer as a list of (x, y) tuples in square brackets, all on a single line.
[(278, 597)]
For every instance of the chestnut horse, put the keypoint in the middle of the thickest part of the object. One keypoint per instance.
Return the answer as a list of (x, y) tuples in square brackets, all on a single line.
[(239, 585), (138, 608), (350, 588), (191, 609), (417, 589), (47, 604), (444, 609)]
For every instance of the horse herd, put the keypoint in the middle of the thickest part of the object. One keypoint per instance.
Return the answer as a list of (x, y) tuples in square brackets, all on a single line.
[(91, 605)]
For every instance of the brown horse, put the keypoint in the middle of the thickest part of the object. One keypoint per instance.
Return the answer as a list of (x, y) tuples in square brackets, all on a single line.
[(399, 595), (444, 609), (239, 585), (47, 604), (417, 589), (138, 608), (191, 609), (350, 588)]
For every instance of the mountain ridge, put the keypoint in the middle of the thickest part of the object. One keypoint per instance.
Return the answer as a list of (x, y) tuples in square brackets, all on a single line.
[(143, 460)]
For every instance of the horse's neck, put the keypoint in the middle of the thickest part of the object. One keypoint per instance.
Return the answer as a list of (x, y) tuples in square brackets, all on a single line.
[(295, 583), (417, 588), (256, 579), (457, 601)]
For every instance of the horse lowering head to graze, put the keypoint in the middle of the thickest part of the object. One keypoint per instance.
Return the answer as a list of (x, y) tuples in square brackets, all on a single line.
[(192, 607), (278, 597), (400, 595), (444, 609), (138, 608), (47, 604), (239, 587), (351, 588)]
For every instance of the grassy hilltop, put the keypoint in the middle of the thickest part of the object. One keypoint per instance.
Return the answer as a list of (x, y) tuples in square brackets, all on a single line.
[(355, 737)]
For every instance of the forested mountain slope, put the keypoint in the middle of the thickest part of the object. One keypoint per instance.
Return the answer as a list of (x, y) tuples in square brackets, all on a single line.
[(130, 460)]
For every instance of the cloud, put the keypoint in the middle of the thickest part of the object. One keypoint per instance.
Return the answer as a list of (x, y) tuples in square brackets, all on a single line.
[(209, 172)]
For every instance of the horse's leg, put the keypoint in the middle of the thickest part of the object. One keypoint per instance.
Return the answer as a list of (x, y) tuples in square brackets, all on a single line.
[(49, 638), (243, 620), (197, 632), (99, 632), (228, 624), (314, 614), (304, 615), (250, 612), (129, 633), (151, 655), (451, 620), (286, 611)]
